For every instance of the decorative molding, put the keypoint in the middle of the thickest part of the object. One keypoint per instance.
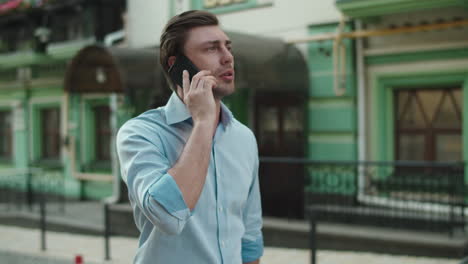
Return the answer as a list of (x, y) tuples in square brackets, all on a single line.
[(373, 8), (443, 54), (228, 6), (415, 48)]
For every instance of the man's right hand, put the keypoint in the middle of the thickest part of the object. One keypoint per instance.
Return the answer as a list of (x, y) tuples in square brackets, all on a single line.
[(198, 96), (190, 170)]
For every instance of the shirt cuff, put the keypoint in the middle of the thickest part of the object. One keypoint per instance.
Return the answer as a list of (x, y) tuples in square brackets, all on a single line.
[(252, 250), (167, 193)]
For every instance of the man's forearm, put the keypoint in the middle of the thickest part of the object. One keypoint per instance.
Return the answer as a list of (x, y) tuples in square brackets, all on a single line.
[(190, 170), (253, 262)]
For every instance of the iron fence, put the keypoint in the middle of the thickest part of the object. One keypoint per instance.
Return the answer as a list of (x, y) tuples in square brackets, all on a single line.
[(418, 195), (24, 188)]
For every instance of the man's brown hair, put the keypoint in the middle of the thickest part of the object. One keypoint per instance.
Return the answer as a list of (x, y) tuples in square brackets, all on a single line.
[(175, 34)]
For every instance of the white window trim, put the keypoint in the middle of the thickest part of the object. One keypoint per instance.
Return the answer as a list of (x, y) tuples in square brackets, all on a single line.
[(373, 72), (84, 124), (37, 101)]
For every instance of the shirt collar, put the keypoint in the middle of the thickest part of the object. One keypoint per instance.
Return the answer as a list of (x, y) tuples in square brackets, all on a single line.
[(177, 111)]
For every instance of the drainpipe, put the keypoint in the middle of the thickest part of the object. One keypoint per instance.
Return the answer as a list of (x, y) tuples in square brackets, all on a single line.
[(116, 193), (339, 61), (25, 77), (109, 40), (361, 100)]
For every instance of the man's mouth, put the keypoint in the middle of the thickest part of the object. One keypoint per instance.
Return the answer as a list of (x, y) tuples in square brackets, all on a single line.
[(227, 75)]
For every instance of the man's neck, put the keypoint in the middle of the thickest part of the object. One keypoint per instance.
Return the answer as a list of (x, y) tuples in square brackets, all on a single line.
[(218, 111)]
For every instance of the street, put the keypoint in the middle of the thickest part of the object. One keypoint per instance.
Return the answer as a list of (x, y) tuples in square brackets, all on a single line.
[(22, 246)]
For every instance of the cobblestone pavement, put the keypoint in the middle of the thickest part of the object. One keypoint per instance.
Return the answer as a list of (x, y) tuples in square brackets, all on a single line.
[(22, 246)]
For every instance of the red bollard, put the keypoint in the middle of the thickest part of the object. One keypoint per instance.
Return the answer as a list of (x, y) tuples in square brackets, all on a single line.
[(78, 259)]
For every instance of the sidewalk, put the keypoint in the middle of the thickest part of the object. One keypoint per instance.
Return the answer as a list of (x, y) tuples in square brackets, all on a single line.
[(22, 246)]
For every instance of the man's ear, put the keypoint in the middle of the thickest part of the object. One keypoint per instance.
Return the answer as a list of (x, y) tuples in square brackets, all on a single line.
[(171, 61)]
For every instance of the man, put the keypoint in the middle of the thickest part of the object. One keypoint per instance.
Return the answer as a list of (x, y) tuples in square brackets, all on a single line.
[(191, 168)]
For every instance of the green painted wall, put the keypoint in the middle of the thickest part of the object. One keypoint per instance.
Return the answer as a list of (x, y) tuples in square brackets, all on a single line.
[(332, 115), (45, 89), (96, 190), (332, 119)]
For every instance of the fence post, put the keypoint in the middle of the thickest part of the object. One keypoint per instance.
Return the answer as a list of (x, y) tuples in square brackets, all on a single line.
[(43, 222), (313, 236), (106, 231), (29, 191)]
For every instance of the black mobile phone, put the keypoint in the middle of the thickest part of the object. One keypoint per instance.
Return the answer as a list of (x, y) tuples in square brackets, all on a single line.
[(182, 63)]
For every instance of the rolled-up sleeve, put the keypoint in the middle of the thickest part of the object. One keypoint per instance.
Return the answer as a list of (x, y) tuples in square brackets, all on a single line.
[(145, 171), (252, 241)]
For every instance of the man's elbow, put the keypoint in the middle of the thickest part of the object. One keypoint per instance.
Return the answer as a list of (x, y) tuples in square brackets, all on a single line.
[(172, 228), (166, 223)]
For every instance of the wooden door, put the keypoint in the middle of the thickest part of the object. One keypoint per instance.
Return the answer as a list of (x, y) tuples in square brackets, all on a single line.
[(279, 127)]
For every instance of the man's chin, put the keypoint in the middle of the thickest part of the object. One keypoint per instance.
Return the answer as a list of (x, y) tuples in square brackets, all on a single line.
[(220, 92)]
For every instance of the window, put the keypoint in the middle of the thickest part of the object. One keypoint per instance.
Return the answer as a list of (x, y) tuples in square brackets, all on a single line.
[(6, 140), (50, 133), (95, 150), (16, 36), (69, 25), (102, 133), (429, 125)]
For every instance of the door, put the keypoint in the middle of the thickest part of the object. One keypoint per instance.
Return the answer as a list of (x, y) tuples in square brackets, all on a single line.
[(279, 127)]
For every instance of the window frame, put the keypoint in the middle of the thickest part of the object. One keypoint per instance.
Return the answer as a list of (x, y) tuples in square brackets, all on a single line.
[(36, 106), (9, 158), (88, 155), (429, 132), (46, 134)]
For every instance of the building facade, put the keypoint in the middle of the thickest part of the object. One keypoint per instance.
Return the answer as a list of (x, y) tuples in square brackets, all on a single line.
[(37, 41), (386, 78), (386, 81)]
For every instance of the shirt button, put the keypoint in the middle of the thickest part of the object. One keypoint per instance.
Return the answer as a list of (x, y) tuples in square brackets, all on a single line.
[(220, 209), (222, 243)]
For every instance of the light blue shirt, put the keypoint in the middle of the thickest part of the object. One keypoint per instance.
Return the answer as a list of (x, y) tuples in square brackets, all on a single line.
[(225, 225)]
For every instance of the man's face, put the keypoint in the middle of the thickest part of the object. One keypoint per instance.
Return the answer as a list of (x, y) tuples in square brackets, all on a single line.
[(209, 48)]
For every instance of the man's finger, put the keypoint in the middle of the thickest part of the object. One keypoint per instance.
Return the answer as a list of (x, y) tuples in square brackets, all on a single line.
[(197, 77), (212, 81), (194, 83), (185, 81), (202, 73), (209, 83), (201, 83), (180, 91)]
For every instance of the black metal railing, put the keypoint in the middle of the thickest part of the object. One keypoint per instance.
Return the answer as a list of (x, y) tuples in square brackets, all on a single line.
[(34, 189), (14, 189), (423, 195), (24, 188)]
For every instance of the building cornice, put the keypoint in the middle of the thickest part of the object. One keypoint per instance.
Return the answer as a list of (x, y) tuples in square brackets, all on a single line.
[(376, 8)]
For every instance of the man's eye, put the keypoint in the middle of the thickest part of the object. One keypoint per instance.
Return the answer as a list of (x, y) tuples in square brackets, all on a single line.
[(213, 48)]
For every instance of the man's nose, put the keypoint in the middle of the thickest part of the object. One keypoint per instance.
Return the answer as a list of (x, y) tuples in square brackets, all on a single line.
[(227, 56)]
